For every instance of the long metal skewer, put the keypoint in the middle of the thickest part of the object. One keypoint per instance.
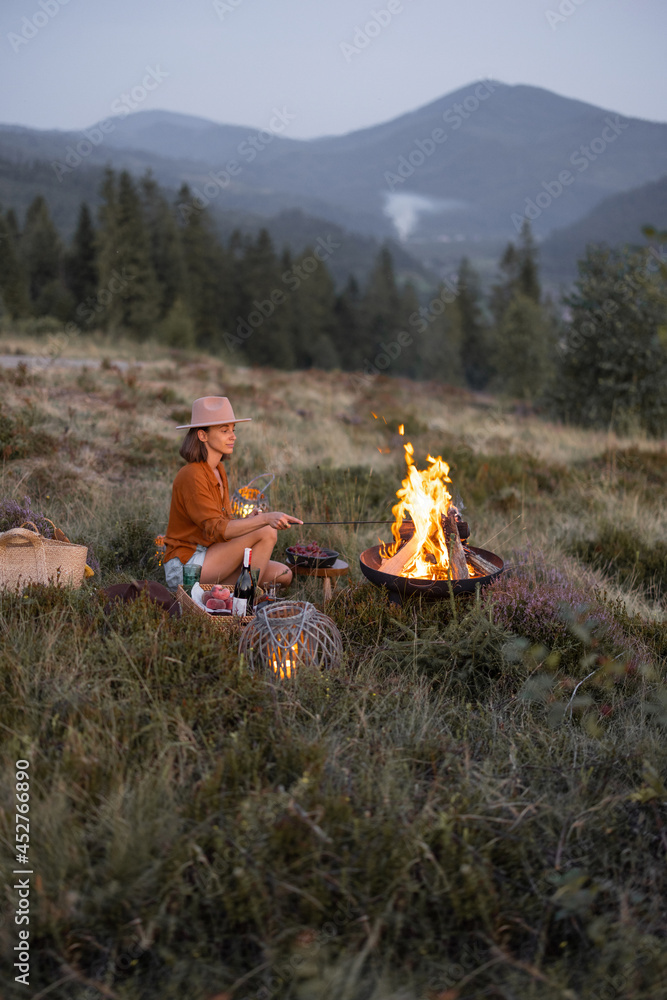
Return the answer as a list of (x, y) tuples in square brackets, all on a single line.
[(341, 522)]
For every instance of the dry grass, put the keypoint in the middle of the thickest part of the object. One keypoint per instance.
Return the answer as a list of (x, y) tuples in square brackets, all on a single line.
[(443, 816)]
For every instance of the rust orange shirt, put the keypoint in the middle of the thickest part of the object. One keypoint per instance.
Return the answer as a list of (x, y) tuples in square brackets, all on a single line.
[(199, 513)]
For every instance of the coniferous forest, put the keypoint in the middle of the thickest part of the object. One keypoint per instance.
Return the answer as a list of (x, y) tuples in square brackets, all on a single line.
[(151, 267)]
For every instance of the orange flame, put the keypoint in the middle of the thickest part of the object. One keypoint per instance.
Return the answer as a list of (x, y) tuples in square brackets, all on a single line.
[(425, 499), (287, 667), (401, 429), (160, 548)]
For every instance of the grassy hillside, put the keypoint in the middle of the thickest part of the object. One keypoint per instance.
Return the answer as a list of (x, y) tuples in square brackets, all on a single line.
[(472, 805)]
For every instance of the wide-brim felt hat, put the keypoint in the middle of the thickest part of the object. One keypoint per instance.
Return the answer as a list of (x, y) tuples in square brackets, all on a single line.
[(208, 411)]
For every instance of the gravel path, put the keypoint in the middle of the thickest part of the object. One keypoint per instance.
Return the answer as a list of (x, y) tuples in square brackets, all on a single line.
[(38, 361)]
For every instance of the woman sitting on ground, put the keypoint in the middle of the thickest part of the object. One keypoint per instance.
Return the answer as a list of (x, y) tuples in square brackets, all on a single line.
[(202, 530)]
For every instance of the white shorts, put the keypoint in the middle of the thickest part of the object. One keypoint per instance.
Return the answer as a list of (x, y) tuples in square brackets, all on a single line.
[(173, 568)]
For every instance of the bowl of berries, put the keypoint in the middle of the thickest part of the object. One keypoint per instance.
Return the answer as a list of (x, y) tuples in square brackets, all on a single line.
[(310, 554)]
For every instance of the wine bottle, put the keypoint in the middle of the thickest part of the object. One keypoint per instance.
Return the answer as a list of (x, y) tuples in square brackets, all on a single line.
[(244, 589)]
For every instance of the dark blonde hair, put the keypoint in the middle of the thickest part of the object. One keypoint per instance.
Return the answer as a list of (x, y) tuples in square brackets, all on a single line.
[(194, 450)]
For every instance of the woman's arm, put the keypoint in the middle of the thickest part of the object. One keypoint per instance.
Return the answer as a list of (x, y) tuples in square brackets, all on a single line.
[(272, 518)]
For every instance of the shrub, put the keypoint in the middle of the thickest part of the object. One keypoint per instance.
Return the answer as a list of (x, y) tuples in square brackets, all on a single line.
[(152, 452), (538, 602), (58, 482), (633, 469), (20, 439), (130, 547), (624, 557), (650, 634), (36, 326), (13, 514)]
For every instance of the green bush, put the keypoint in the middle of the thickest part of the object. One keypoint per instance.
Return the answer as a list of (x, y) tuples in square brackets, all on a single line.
[(129, 546), (613, 362)]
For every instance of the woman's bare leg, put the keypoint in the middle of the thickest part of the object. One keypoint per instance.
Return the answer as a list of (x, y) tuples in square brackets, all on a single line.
[(277, 571), (223, 560)]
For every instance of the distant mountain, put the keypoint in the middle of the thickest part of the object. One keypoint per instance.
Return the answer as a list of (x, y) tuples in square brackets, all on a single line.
[(69, 153), (616, 220), (169, 134), (456, 176)]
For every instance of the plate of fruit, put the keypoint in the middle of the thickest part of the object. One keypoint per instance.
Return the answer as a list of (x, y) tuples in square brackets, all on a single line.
[(311, 555), (218, 600)]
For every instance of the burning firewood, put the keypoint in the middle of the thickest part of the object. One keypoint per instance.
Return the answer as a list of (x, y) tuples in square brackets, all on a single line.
[(457, 556), (481, 565), (395, 563)]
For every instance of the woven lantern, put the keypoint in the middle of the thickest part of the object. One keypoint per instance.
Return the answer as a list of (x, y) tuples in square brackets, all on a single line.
[(288, 635), (246, 498)]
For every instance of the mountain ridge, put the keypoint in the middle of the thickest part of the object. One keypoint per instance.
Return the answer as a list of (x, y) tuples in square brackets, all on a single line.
[(473, 161)]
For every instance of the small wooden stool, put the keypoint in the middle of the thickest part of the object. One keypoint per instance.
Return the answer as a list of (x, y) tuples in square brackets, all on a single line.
[(339, 568)]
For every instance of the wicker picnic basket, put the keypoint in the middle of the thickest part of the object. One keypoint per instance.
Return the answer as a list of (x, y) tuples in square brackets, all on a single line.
[(28, 557), (191, 607)]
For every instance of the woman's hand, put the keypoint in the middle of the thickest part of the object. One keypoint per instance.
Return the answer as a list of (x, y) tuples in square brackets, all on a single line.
[(277, 519)]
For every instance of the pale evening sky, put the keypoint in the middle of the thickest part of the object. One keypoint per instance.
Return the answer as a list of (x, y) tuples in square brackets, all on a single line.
[(335, 65)]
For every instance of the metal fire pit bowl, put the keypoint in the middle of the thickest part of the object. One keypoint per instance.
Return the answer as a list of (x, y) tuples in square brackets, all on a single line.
[(400, 587)]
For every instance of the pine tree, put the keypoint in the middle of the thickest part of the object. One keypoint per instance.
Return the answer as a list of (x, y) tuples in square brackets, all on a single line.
[(42, 260), (13, 285), (313, 323), (177, 329), (438, 340), (347, 320), (476, 338), (528, 283), (13, 226), (128, 296), (380, 313), (519, 274), (266, 324), (206, 274), (409, 360), (523, 349), (164, 243), (613, 362), (81, 272)]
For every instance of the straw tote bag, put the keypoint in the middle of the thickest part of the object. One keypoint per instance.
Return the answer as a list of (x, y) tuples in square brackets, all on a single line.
[(27, 557)]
